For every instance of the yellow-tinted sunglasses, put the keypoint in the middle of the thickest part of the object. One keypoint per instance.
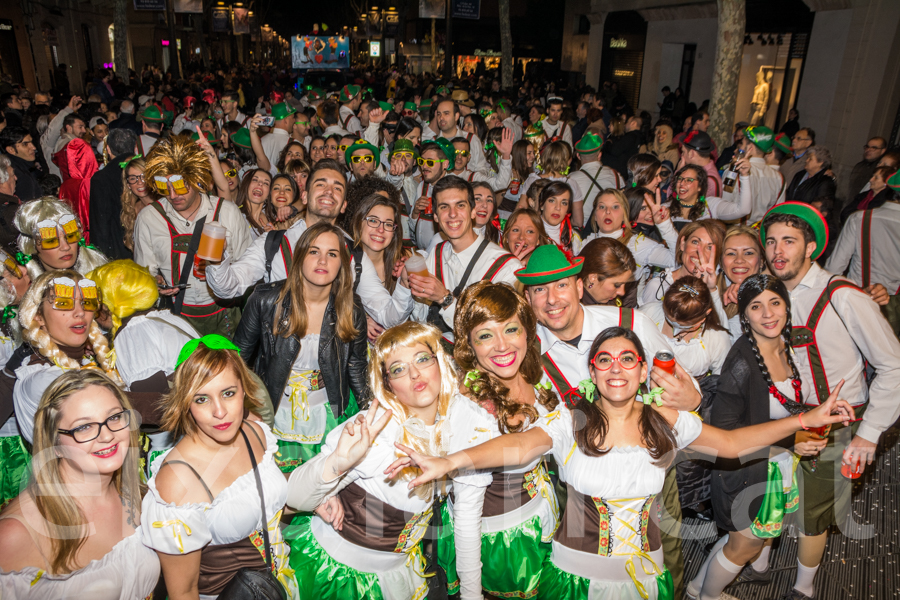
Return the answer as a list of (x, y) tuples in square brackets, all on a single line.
[(430, 162), (63, 295), (462, 153), (343, 147), (177, 181), (47, 233), (231, 173), (403, 154), (366, 158)]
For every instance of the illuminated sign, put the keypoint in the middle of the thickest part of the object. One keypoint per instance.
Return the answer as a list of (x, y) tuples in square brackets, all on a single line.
[(374, 49), (623, 73), (618, 43)]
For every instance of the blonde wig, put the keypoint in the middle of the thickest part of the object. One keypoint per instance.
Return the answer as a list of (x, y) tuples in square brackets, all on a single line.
[(178, 155), (126, 288), (487, 301), (59, 508), (33, 305), (9, 325), (49, 208), (407, 335), (129, 200), (201, 367)]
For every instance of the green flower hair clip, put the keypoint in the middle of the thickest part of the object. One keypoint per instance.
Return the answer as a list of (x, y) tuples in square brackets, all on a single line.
[(471, 381), (9, 313), (654, 395), (587, 389)]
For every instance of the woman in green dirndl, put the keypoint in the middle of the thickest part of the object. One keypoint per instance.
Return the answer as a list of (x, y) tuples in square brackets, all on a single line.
[(612, 449), (759, 383)]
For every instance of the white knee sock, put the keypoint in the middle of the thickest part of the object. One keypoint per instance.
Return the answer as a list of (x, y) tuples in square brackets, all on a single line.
[(719, 574), (696, 583), (805, 576), (761, 564)]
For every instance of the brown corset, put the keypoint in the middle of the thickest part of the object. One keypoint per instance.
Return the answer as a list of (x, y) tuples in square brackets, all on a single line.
[(509, 491), (370, 523), (586, 525), (218, 564)]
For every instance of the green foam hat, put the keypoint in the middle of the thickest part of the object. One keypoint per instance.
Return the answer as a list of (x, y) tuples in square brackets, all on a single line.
[(425, 104), (403, 145), (410, 106), (589, 143), (805, 212), (241, 138), (360, 145), (209, 137), (349, 92), (449, 151), (761, 136), (386, 106), (783, 142), (548, 263), (893, 181), (315, 94), (282, 110), (153, 114)]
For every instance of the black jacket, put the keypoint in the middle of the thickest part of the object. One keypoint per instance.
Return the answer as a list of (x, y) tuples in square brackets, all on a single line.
[(878, 200), (9, 205), (818, 185), (127, 121), (618, 150), (343, 365), (27, 174), (107, 232), (742, 399)]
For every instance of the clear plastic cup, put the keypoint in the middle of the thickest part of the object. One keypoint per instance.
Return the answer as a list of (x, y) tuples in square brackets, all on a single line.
[(416, 265)]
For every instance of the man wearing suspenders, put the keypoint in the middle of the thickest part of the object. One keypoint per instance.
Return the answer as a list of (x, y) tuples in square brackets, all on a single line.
[(592, 178), (837, 331), (350, 101), (554, 126), (438, 158), (566, 329), (163, 233), (498, 180), (869, 262), (463, 259)]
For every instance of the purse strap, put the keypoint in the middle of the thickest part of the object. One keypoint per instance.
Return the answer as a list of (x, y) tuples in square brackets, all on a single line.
[(262, 501)]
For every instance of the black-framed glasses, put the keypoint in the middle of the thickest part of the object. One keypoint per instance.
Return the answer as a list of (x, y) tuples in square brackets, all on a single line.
[(132, 179), (88, 432), (375, 223), (423, 360), (868, 147)]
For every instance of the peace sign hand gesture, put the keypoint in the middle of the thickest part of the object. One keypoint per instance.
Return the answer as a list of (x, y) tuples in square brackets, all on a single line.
[(705, 266), (355, 441), (659, 212)]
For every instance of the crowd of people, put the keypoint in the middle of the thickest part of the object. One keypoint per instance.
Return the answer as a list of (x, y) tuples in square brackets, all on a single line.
[(456, 340)]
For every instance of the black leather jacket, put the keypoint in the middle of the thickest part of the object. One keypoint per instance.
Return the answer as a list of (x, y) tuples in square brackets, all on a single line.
[(343, 365)]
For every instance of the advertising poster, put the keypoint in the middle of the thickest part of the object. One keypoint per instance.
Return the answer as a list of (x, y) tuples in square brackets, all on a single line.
[(466, 9), (241, 21), (220, 20), (149, 4), (320, 52)]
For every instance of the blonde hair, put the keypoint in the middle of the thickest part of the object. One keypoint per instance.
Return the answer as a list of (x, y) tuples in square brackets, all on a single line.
[(201, 367), (407, 335), (622, 201), (60, 511), (48, 207), (11, 328), (40, 340), (555, 157), (178, 155), (126, 288), (129, 200)]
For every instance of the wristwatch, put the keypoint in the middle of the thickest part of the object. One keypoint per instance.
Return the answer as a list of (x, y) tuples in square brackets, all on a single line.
[(447, 301)]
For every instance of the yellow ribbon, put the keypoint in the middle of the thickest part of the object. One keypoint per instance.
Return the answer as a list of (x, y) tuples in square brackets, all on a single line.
[(571, 452), (543, 481), (300, 387), (177, 525), (638, 551), (414, 555), (37, 577), (629, 568)]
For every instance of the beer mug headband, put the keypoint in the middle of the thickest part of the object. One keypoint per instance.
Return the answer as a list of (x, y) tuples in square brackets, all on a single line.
[(177, 181), (64, 294), (11, 265), (46, 232)]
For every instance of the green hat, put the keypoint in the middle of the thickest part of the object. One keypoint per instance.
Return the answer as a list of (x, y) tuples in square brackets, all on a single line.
[(209, 137), (360, 144), (893, 181), (807, 213), (153, 114), (282, 110), (761, 136), (241, 137), (783, 142), (403, 145), (425, 104), (315, 94), (410, 106), (589, 143), (548, 263), (449, 151), (386, 106), (441, 90), (349, 92)]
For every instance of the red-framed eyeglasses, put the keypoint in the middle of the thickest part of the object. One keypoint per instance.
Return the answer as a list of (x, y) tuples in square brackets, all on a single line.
[(603, 360)]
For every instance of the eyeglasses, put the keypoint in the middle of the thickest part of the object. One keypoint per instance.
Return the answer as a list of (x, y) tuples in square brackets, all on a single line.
[(375, 223), (679, 179), (868, 147), (423, 360), (91, 431), (132, 179), (462, 153), (603, 360), (801, 139), (177, 181), (403, 154), (430, 162), (47, 233), (366, 158), (231, 173), (63, 294)]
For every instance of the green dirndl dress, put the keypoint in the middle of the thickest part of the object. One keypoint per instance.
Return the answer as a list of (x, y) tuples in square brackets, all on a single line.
[(14, 462)]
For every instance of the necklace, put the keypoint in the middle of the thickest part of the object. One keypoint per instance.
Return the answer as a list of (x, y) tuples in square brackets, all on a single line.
[(188, 219)]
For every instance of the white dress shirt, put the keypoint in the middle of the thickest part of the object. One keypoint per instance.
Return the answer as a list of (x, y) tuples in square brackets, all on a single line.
[(606, 178), (647, 252), (885, 254), (560, 128), (272, 145), (850, 331), (768, 187), (153, 241), (349, 121), (498, 180)]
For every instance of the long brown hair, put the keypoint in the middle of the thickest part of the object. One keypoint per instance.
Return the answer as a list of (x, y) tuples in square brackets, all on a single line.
[(487, 301), (60, 511), (297, 320), (129, 200), (591, 430), (392, 251), (520, 167), (243, 198)]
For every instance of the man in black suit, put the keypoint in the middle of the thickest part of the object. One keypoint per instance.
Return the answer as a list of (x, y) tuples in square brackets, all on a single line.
[(126, 119), (106, 196)]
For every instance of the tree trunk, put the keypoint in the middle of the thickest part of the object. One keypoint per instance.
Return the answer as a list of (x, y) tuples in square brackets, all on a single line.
[(433, 46), (506, 46), (729, 45), (120, 39)]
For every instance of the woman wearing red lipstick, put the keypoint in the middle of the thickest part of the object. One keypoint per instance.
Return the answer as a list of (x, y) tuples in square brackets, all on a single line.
[(742, 257), (495, 333), (555, 206), (306, 339), (75, 531), (523, 233), (612, 450), (202, 512), (556, 158)]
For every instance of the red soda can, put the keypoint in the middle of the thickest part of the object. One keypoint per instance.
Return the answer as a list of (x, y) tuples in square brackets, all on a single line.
[(665, 361), (428, 208), (514, 187)]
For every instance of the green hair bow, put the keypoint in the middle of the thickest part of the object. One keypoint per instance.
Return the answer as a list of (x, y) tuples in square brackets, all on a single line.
[(471, 380), (546, 385), (212, 341), (587, 389), (23, 259), (84, 244), (127, 162), (654, 395), (9, 313)]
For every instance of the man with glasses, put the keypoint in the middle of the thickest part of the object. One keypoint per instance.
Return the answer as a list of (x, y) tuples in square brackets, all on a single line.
[(362, 158), (229, 104), (796, 162), (16, 142), (107, 232), (863, 170), (438, 158), (497, 180)]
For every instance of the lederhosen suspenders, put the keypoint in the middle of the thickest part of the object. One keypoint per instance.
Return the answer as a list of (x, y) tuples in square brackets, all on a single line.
[(179, 241), (804, 336), (562, 385), (866, 247)]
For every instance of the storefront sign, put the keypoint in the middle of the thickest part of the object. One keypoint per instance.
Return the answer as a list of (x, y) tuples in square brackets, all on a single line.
[(487, 53), (150, 5), (618, 43), (374, 49), (466, 9), (6, 25)]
